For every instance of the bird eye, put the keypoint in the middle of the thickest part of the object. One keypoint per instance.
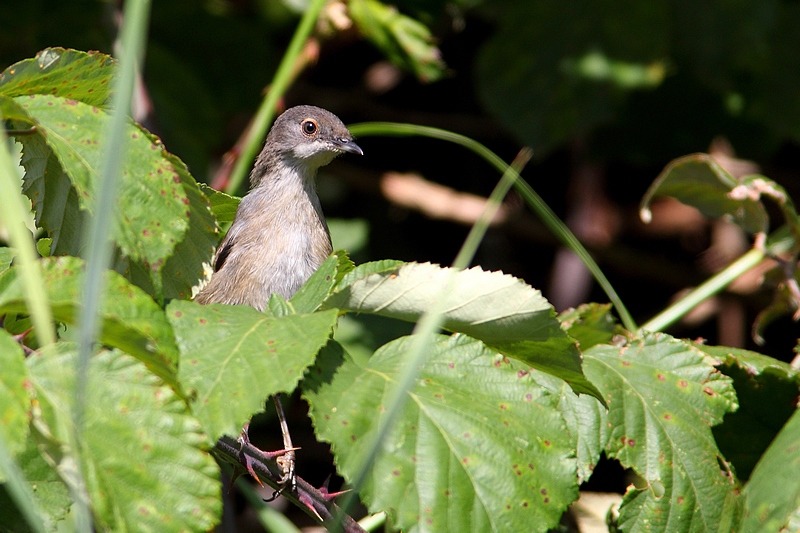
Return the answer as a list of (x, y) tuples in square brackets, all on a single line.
[(309, 127)]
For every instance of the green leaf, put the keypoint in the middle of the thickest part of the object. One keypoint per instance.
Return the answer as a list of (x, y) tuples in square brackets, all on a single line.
[(54, 200), (663, 397), (15, 394), (131, 320), (405, 41), (767, 391), (81, 76), (6, 257), (319, 286), (554, 71), (772, 497), (185, 268), (589, 324), (152, 201), (142, 452), (234, 357), (479, 446), (50, 492), (500, 310), (223, 205), (699, 181)]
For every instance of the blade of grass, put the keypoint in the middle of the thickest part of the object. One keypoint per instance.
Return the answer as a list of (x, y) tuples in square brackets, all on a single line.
[(266, 111), (779, 242), (12, 214), (430, 322), (98, 234), (550, 219)]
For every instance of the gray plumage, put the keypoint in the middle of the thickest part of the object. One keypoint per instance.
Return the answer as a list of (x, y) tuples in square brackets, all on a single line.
[(279, 236)]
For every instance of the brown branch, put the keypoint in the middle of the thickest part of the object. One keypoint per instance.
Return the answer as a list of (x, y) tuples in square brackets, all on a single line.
[(317, 503)]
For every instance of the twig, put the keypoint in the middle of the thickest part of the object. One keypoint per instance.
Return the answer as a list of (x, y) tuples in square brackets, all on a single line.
[(317, 503)]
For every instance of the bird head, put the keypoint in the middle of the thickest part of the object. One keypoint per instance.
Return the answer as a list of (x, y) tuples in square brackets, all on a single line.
[(310, 137)]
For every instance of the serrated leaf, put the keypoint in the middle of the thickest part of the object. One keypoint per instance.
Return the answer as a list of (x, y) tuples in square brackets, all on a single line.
[(767, 391), (142, 452), (319, 286), (15, 394), (184, 269), (223, 205), (152, 201), (772, 496), (82, 76), (663, 397), (131, 320), (49, 491), (500, 310), (479, 446), (6, 257), (234, 357), (586, 422), (405, 41), (699, 181)]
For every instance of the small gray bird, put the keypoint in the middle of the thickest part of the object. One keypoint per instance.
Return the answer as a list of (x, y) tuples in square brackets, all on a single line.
[(279, 236)]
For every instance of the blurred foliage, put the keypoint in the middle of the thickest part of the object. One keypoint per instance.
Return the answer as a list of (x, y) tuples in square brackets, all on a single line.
[(556, 71)]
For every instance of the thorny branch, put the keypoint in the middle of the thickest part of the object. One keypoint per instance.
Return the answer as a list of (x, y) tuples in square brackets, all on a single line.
[(318, 503)]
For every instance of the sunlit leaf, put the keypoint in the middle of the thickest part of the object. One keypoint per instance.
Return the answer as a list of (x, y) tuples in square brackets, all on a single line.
[(234, 357), (222, 205), (479, 446), (663, 396), (500, 310), (152, 202), (131, 320), (6, 257), (81, 76), (589, 324), (699, 181), (15, 394), (318, 287), (144, 464)]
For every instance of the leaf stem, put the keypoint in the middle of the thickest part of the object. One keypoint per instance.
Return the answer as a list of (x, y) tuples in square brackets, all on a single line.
[(266, 111), (779, 242), (12, 214)]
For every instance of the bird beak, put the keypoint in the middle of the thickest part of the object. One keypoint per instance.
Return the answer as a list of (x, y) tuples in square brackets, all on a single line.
[(348, 145)]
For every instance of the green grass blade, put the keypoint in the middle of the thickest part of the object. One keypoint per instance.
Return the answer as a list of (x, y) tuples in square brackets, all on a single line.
[(12, 213), (266, 111), (551, 220), (97, 236), (779, 242), (431, 321)]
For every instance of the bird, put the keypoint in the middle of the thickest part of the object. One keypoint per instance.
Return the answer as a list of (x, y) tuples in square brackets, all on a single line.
[(279, 236)]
